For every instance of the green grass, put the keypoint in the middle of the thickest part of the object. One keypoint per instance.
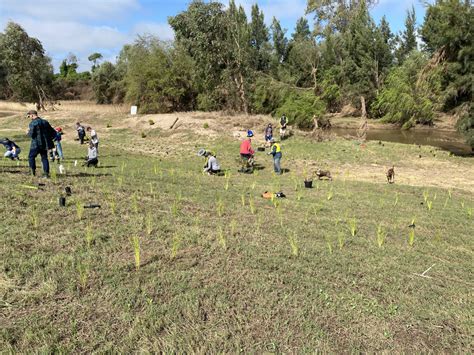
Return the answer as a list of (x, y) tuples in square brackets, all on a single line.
[(177, 261)]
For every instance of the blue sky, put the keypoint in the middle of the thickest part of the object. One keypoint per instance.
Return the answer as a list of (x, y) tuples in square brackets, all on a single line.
[(82, 27)]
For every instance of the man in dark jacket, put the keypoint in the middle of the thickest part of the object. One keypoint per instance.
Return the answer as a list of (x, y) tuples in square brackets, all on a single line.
[(42, 135)]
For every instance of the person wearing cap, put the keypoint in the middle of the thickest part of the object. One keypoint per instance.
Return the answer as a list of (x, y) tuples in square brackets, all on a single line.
[(268, 133), (12, 149), (42, 135), (246, 153), (212, 166), (276, 152)]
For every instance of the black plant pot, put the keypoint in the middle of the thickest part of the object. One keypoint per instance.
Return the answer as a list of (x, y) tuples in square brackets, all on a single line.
[(62, 201), (308, 184)]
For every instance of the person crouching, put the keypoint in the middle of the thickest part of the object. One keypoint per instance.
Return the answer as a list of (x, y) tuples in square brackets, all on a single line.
[(212, 165), (91, 159)]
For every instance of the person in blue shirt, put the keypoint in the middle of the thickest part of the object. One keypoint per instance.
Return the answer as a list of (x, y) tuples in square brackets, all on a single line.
[(276, 152), (57, 152), (12, 149), (42, 135)]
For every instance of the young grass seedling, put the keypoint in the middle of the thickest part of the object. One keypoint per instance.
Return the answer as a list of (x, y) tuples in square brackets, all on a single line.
[(79, 210), (89, 236), (83, 271), (54, 175), (429, 205), (425, 195), (242, 199), (341, 240), (149, 224), (227, 180), (352, 226), (446, 202), (175, 245), (220, 207), (136, 251), (252, 205), (222, 239), (329, 244), (293, 244), (381, 235), (396, 200), (135, 203), (330, 194)]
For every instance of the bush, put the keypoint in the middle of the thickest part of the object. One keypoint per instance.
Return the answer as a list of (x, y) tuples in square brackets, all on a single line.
[(276, 98), (405, 100), (151, 122)]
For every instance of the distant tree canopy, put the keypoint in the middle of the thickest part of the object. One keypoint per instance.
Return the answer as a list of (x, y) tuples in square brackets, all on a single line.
[(222, 59), (25, 71)]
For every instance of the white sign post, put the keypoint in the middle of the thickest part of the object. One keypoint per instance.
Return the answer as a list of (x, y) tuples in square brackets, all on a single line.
[(133, 110)]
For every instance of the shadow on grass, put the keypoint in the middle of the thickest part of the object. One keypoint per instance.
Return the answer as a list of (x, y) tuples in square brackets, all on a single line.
[(88, 175)]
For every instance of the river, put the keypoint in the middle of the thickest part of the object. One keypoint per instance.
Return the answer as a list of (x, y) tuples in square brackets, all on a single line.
[(448, 140)]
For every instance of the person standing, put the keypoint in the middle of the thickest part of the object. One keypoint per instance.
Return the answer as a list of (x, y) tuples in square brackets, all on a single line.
[(81, 132), (94, 138), (268, 133), (276, 152), (12, 149), (42, 135), (283, 123)]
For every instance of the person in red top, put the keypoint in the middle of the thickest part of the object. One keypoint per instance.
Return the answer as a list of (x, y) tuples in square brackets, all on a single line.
[(246, 153)]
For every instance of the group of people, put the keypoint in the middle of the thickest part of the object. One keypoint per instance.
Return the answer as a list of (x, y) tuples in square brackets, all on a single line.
[(93, 149), (247, 153), (46, 140)]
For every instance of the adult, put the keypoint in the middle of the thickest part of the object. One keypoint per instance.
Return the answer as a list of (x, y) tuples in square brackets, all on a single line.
[(81, 132), (246, 153), (12, 149), (94, 138), (212, 165), (42, 135), (283, 123), (268, 133), (276, 152)]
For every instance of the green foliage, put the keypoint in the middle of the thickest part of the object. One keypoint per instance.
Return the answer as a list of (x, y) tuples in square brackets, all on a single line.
[(106, 84), (159, 77), (24, 68), (405, 100), (278, 98)]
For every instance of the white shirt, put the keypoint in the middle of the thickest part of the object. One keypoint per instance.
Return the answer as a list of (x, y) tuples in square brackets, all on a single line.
[(94, 138)]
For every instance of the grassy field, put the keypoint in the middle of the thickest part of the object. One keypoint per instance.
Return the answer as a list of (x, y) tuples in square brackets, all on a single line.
[(177, 261)]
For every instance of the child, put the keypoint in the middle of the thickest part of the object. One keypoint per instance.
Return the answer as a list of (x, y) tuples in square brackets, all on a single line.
[(81, 133), (94, 138), (57, 152), (268, 133), (276, 152), (91, 159), (12, 149)]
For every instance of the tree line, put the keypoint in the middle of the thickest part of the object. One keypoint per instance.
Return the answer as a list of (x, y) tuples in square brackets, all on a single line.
[(221, 59)]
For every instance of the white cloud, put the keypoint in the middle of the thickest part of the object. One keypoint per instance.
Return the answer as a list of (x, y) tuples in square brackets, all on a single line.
[(68, 9), (161, 30)]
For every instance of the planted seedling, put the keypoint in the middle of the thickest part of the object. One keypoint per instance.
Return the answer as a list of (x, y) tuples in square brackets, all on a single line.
[(352, 226), (293, 244), (222, 239), (135, 240), (381, 235), (79, 210)]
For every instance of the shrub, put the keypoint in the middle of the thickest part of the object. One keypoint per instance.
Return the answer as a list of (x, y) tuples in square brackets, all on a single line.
[(405, 100), (151, 122)]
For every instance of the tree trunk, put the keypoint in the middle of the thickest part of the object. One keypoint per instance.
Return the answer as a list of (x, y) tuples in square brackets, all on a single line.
[(364, 126)]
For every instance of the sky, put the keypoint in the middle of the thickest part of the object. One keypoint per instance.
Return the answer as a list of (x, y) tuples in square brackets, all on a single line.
[(83, 27)]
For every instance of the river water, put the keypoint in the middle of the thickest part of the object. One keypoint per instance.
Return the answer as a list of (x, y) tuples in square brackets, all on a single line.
[(447, 140)]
